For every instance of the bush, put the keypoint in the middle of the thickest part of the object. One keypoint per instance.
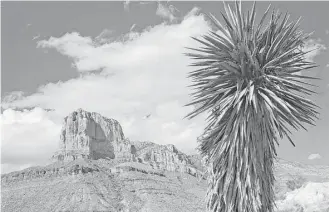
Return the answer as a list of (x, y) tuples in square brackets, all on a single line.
[(296, 182)]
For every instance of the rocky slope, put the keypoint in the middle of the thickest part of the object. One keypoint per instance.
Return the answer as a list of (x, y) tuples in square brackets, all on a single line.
[(168, 158), (101, 185), (98, 169), (105, 185)]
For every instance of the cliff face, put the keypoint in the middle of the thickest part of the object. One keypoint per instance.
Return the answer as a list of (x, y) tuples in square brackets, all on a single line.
[(90, 135), (165, 157)]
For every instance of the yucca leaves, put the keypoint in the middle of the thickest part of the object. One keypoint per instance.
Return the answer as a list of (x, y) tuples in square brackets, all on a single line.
[(249, 79)]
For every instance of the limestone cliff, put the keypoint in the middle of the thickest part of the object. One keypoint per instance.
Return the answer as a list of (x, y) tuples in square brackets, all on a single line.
[(166, 157), (90, 135)]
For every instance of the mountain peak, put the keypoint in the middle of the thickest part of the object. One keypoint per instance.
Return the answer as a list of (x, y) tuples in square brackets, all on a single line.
[(90, 135), (86, 135)]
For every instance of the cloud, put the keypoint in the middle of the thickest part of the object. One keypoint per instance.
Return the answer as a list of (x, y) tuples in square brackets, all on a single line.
[(143, 74), (166, 12), (314, 45), (27, 138), (327, 65), (137, 51), (327, 31), (314, 156)]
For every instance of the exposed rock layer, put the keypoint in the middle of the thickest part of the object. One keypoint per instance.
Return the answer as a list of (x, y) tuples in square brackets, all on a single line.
[(101, 185), (133, 187), (92, 136), (166, 157)]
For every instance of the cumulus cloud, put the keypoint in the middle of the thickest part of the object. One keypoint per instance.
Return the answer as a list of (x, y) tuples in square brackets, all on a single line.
[(145, 74), (152, 46), (314, 156), (27, 138)]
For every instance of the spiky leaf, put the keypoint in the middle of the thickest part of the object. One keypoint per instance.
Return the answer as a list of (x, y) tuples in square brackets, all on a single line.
[(249, 79)]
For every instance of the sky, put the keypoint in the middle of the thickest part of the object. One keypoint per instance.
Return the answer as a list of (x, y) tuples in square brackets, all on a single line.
[(125, 61)]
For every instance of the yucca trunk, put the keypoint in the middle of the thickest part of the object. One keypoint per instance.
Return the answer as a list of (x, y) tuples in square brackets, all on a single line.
[(249, 79), (241, 177), (236, 191)]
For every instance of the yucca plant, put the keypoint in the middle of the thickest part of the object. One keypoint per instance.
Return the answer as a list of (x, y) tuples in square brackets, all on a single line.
[(249, 81)]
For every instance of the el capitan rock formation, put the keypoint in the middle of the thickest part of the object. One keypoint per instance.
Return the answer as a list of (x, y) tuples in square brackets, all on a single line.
[(92, 136)]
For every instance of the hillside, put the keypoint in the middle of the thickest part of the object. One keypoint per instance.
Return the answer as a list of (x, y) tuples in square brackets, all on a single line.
[(104, 185), (87, 185), (97, 169)]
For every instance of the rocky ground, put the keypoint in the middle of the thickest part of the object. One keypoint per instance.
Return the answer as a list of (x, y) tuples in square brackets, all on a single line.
[(97, 169), (86, 185), (104, 185)]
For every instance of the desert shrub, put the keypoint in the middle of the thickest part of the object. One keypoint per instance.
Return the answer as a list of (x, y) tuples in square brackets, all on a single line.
[(296, 182)]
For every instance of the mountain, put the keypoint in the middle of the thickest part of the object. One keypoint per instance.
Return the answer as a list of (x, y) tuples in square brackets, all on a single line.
[(96, 168), (86, 135), (90, 135), (101, 185)]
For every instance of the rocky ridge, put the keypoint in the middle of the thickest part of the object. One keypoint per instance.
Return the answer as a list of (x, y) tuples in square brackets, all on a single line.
[(98, 169), (100, 185), (92, 136)]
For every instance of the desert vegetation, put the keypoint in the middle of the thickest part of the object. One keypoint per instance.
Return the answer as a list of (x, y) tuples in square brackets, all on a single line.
[(249, 79)]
